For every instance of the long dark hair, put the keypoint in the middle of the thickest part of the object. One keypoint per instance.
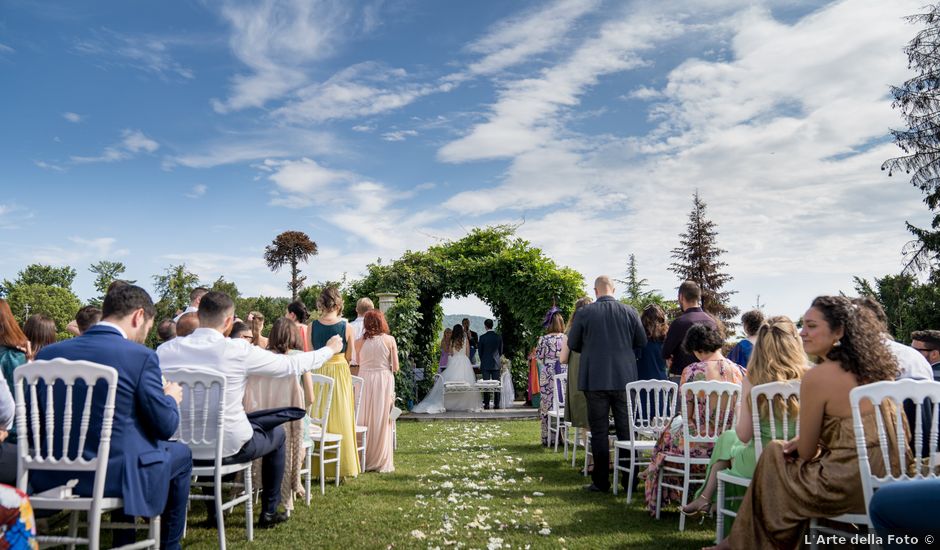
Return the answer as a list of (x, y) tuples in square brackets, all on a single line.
[(299, 310), (861, 349), (11, 335), (456, 338), (654, 323), (40, 330)]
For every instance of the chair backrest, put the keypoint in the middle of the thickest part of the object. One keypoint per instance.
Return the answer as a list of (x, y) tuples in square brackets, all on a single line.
[(71, 383), (923, 461), (781, 394), (202, 411), (708, 409), (357, 382), (561, 391), (318, 410), (651, 405)]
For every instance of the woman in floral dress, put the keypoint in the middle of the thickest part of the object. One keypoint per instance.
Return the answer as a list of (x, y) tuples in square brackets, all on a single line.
[(548, 356), (705, 344)]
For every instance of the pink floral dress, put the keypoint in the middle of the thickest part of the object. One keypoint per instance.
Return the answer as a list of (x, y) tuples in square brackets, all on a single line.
[(548, 356), (671, 441)]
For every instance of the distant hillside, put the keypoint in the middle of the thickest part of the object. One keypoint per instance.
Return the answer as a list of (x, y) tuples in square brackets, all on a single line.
[(476, 322)]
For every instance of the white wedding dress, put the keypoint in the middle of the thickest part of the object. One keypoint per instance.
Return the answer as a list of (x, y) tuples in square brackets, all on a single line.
[(458, 369)]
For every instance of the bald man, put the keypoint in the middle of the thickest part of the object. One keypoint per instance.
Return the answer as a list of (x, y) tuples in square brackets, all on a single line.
[(606, 333), (187, 323)]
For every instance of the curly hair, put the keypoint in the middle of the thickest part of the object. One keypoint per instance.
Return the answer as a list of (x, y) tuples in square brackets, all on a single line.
[(701, 337), (330, 300), (752, 321), (861, 350)]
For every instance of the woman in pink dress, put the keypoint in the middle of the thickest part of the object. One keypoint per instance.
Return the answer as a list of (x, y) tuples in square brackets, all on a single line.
[(378, 363)]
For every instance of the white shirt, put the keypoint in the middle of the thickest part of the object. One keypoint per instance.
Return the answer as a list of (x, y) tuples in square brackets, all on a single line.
[(115, 327), (237, 359), (358, 329), (189, 309), (913, 365)]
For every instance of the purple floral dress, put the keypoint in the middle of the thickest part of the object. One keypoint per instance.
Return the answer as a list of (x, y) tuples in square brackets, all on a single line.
[(671, 441), (548, 355)]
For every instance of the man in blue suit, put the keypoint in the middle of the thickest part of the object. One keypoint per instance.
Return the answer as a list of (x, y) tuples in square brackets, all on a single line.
[(149, 472)]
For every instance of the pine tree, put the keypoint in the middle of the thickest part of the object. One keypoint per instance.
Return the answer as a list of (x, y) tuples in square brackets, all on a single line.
[(918, 99), (698, 259), (635, 286)]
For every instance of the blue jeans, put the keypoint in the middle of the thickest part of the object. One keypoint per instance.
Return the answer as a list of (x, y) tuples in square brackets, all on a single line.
[(906, 508)]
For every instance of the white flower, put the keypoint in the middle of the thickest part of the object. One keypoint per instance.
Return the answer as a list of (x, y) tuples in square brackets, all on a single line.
[(494, 543), (538, 494), (545, 532), (418, 534)]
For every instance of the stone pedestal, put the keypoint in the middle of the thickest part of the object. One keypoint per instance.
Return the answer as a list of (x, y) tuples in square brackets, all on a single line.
[(386, 300)]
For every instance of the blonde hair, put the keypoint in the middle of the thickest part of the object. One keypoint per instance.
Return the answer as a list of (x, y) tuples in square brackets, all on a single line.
[(777, 357)]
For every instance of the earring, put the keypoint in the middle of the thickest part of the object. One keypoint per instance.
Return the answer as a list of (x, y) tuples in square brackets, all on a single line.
[(837, 343)]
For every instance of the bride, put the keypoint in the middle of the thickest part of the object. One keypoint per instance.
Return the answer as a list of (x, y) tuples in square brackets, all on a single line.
[(458, 370)]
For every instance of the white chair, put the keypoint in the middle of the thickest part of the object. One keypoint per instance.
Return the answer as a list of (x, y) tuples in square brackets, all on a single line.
[(773, 392), (556, 416), (646, 423), (703, 420), (317, 440), (362, 432), (35, 444), (202, 425), (924, 465)]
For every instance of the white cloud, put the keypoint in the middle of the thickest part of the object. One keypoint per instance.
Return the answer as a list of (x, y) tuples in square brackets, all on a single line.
[(236, 147), (399, 135), (4, 49), (48, 166), (643, 93), (365, 128), (13, 215), (197, 191), (132, 143), (73, 117), (80, 251), (142, 52)]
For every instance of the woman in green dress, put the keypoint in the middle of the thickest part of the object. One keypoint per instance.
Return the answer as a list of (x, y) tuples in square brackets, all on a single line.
[(777, 357), (576, 404)]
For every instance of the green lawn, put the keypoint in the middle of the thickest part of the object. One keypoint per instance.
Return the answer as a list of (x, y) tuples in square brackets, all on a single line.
[(466, 485)]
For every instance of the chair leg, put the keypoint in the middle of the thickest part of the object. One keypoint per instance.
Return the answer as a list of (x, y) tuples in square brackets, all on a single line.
[(720, 520), (94, 528), (659, 491), (630, 475), (557, 432), (73, 527), (322, 457), (249, 507), (365, 445), (339, 454), (219, 514), (686, 474), (616, 469), (813, 525), (574, 451), (309, 468), (154, 532)]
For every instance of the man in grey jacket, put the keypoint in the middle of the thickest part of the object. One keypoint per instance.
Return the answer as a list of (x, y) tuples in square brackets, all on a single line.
[(606, 333)]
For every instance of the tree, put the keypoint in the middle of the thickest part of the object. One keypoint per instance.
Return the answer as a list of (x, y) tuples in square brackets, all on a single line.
[(697, 259), (58, 303), (918, 99), (908, 304), (174, 286), (226, 287), (290, 248), (635, 293), (106, 272), (41, 274)]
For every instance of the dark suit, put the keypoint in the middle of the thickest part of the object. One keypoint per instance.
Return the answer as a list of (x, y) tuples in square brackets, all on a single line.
[(605, 333), (474, 341), (672, 347), (150, 473), (491, 349)]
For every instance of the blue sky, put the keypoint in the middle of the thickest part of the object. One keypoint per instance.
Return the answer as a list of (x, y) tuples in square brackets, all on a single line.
[(156, 134)]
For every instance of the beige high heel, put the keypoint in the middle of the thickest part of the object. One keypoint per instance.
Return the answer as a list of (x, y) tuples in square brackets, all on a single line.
[(704, 510)]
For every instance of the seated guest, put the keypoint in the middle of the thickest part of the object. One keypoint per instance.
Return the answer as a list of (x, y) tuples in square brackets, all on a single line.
[(14, 348), (751, 321), (777, 357), (241, 330), (86, 318), (187, 324), (256, 322), (244, 439), (166, 330), (927, 343), (816, 473), (905, 508), (195, 296), (149, 472), (40, 330), (265, 392), (911, 363), (704, 343), (378, 363)]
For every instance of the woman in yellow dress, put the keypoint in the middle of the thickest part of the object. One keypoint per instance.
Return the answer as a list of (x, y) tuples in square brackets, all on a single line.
[(342, 419)]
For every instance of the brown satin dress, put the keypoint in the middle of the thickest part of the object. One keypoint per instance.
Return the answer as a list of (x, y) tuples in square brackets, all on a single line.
[(784, 494)]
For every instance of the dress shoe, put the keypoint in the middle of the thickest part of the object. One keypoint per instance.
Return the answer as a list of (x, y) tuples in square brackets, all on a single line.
[(594, 489), (266, 521)]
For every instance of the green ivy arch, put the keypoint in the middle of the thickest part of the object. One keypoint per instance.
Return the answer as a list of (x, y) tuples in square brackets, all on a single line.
[(517, 281)]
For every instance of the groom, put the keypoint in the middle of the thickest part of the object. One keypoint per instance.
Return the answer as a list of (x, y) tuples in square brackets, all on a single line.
[(491, 349)]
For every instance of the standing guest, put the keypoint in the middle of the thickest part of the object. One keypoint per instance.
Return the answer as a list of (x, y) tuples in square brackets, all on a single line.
[(777, 357), (548, 355), (472, 338), (378, 360), (147, 470), (491, 350), (576, 404), (195, 296), (650, 364), (363, 306), (690, 296), (166, 330), (927, 342), (605, 333), (751, 321), (86, 318), (14, 351), (241, 330), (256, 322), (245, 438), (266, 392), (297, 312), (40, 330), (342, 419), (704, 343), (912, 364), (187, 324), (815, 475), (445, 349)]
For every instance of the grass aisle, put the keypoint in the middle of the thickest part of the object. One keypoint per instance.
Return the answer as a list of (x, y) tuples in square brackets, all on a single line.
[(466, 485)]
